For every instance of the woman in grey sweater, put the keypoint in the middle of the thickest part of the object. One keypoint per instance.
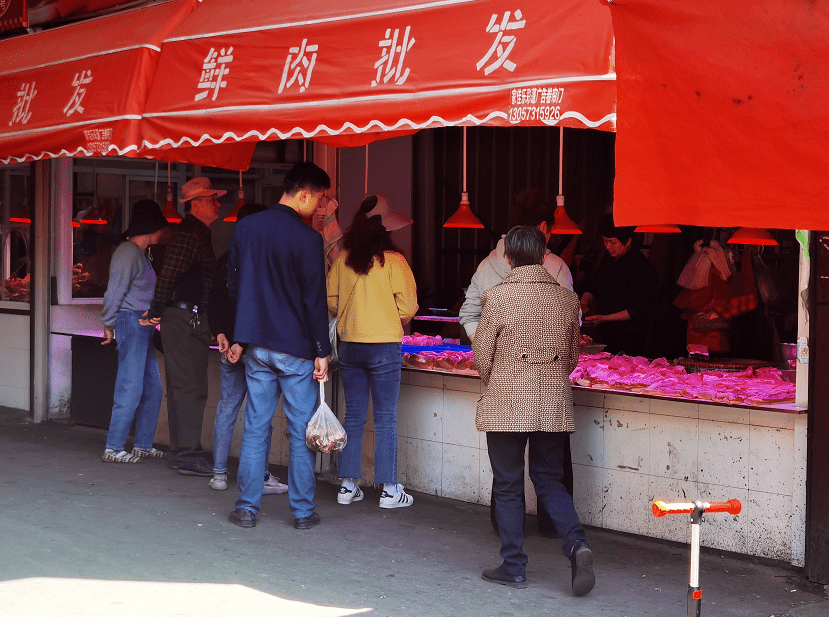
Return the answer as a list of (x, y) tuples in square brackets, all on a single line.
[(130, 289)]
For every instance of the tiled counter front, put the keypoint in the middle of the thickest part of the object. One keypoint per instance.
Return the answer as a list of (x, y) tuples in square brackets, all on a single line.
[(627, 451)]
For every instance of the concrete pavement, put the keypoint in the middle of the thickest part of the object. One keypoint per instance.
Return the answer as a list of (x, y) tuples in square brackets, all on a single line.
[(82, 537)]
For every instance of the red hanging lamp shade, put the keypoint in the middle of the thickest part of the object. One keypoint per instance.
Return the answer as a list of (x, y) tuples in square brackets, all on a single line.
[(752, 235), (563, 224), (464, 217), (658, 229), (94, 217), (170, 212), (233, 215), (25, 217)]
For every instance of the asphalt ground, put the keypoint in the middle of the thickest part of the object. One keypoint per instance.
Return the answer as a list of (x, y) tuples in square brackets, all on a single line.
[(86, 538)]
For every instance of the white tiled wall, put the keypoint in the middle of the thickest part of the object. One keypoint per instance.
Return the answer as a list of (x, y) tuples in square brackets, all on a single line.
[(627, 452)]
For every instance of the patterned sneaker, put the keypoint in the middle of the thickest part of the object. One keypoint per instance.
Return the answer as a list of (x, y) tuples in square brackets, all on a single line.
[(398, 499), (148, 453), (218, 482), (111, 456), (346, 496), (272, 485)]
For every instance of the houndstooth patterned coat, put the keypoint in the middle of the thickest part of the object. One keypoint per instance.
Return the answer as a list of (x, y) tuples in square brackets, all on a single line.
[(526, 346)]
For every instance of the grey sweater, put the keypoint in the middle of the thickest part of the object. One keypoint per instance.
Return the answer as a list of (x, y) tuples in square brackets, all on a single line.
[(491, 271), (131, 283)]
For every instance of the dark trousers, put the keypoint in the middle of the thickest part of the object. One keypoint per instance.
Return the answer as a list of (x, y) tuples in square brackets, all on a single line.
[(546, 526), (186, 356), (546, 463)]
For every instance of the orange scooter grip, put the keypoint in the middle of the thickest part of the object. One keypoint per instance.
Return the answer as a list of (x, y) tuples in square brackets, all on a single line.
[(660, 508)]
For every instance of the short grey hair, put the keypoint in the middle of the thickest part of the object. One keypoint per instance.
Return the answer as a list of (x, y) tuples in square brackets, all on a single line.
[(525, 246)]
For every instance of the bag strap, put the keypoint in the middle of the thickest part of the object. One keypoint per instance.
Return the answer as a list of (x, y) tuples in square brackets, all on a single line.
[(322, 392)]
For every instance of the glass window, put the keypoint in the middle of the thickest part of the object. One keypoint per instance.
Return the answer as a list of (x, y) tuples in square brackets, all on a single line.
[(103, 195), (16, 205)]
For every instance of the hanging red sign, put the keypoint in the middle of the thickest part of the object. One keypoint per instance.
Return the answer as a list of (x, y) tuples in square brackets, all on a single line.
[(13, 14)]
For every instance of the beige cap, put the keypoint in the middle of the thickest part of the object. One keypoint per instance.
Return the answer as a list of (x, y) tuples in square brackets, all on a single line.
[(198, 187)]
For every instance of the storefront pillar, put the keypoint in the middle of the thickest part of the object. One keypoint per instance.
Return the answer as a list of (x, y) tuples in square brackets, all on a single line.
[(40, 298)]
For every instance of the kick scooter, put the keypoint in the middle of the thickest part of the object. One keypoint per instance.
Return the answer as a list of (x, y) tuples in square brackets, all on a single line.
[(696, 509)]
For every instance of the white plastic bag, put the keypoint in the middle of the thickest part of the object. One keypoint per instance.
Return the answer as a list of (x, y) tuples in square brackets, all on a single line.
[(324, 432)]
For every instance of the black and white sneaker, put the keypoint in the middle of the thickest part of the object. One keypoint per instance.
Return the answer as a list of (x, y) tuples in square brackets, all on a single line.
[(397, 499), (346, 496)]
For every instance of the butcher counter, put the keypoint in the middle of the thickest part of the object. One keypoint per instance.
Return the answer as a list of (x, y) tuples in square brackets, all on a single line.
[(628, 449)]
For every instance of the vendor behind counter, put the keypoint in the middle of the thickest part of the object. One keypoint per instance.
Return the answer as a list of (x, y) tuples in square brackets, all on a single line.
[(619, 298)]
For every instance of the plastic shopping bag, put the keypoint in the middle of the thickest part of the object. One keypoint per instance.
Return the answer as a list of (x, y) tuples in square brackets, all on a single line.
[(324, 432)]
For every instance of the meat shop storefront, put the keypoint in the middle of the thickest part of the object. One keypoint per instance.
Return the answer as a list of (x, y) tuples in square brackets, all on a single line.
[(633, 444)]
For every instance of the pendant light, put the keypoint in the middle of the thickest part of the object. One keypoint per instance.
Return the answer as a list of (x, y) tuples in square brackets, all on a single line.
[(170, 212), (233, 215), (25, 217), (464, 217), (752, 235), (94, 216), (563, 224), (658, 229)]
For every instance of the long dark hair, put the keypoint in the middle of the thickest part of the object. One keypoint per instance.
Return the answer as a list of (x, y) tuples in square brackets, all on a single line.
[(366, 239)]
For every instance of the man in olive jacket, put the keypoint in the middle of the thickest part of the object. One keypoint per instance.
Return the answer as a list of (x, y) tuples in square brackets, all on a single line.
[(526, 346)]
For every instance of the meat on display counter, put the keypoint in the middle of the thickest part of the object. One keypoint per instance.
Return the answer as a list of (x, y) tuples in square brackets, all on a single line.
[(629, 448)]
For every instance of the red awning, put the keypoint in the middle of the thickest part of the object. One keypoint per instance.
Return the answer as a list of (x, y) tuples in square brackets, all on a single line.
[(722, 113), (79, 90), (346, 75)]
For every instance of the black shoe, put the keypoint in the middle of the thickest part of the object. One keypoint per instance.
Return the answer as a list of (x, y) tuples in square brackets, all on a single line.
[(307, 522), (242, 517), (582, 564), (195, 467), (500, 577)]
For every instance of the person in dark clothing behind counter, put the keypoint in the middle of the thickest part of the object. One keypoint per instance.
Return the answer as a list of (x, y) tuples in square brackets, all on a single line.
[(180, 304), (620, 296)]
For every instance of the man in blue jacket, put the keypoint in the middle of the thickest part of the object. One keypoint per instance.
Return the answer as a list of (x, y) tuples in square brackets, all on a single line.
[(276, 272)]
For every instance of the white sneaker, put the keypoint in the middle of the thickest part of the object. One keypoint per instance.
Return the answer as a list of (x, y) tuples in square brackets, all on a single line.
[(398, 499), (148, 453), (346, 496), (218, 482), (111, 456), (272, 485)]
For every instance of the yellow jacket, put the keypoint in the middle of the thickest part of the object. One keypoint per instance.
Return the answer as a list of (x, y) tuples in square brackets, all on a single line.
[(373, 307)]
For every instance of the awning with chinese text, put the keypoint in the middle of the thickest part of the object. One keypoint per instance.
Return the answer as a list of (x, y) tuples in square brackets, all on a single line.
[(722, 113), (348, 74), (79, 90)]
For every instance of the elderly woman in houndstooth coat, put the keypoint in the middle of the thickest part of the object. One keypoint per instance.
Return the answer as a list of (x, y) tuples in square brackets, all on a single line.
[(526, 346)]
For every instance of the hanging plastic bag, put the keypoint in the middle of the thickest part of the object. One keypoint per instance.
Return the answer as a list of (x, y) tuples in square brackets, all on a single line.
[(324, 432), (765, 285)]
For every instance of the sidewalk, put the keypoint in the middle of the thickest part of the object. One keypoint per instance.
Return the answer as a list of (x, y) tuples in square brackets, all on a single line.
[(81, 537)]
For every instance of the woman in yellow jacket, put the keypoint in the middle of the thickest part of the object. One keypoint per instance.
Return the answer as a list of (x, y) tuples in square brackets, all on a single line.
[(372, 291)]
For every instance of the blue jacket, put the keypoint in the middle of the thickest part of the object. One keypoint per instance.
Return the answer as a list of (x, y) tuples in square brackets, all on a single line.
[(276, 272)]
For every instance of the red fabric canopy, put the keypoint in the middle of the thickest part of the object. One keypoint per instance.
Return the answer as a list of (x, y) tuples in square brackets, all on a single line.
[(79, 90), (722, 113), (346, 74)]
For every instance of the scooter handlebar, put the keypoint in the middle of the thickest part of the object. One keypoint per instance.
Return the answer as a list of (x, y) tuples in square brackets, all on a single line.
[(660, 508)]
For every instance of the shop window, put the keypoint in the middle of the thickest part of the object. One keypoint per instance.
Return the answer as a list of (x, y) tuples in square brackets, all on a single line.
[(103, 194), (17, 203)]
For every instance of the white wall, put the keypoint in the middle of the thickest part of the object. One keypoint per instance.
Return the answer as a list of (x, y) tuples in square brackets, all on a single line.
[(14, 361)]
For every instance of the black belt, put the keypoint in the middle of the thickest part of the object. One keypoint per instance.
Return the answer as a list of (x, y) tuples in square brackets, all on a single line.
[(186, 306)]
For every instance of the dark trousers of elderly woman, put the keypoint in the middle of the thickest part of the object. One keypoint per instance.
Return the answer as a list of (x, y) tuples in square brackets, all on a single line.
[(546, 462)]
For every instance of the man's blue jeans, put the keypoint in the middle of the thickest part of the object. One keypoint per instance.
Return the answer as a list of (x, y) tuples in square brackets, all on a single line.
[(234, 390), (138, 384), (271, 373), (370, 368)]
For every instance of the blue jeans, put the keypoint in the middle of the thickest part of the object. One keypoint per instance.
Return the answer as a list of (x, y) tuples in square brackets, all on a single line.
[(138, 384), (269, 374), (234, 390), (370, 368), (546, 461)]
